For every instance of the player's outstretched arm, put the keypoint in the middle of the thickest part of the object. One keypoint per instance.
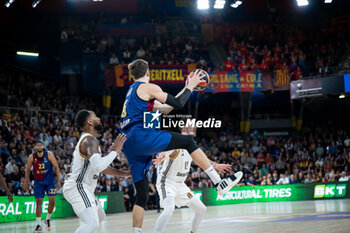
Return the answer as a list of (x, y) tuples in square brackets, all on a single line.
[(4, 186), (115, 172), (155, 92), (26, 177), (91, 148), (54, 163)]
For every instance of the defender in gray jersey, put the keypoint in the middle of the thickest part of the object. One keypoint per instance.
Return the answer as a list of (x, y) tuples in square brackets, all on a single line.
[(87, 165)]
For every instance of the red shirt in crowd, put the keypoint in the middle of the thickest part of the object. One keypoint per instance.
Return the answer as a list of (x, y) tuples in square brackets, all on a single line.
[(263, 66), (243, 49), (229, 65), (243, 67), (298, 74)]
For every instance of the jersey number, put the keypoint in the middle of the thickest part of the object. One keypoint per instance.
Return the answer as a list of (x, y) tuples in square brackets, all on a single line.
[(124, 109), (186, 165), (41, 165)]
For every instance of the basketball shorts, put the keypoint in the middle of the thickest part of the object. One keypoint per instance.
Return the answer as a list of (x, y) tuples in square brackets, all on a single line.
[(41, 187), (179, 191), (81, 198), (140, 146)]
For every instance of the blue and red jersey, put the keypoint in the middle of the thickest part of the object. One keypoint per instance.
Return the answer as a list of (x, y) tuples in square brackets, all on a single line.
[(42, 168), (134, 107)]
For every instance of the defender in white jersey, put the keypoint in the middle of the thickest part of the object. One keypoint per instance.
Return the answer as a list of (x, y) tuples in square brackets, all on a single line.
[(172, 188), (79, 187)]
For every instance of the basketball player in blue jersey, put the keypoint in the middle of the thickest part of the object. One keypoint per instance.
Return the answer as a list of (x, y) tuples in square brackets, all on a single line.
[(44, 166), (143, 143)]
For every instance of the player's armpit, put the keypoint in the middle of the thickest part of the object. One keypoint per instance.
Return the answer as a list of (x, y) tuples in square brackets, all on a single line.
[(163, 108), (89, 146)]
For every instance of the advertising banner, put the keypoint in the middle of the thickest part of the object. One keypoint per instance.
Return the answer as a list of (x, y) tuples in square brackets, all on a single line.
[(245, 81), (293, 192), (23, 207), (160, 74)]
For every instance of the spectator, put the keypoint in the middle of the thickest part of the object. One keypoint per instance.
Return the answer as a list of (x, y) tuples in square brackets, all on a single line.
[(140, 53), (283, 180), (114, 60), (228, 64), (266, 181), (308, 179), (108, 187), (10, 167), (343, 177)]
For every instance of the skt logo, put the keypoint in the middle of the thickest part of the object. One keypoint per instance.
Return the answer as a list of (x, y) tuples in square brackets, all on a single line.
[(330, 190), (151, 120)]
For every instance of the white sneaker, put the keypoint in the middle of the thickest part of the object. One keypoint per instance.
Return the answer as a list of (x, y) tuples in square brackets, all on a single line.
[(226, 184)]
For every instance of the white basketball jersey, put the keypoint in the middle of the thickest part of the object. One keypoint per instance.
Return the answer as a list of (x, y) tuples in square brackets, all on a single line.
[(177, 167), (82, 173)]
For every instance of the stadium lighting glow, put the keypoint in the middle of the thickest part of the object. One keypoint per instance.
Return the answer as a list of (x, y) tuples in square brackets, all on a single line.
[(327, 1), (234, 5), (302, 2), (27, 54), (238, 3), (8, 3), (219, 4), (342, 96), (35, 3), (203, 4)]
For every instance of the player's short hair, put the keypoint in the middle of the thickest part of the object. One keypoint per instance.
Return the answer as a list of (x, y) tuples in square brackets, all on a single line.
[(138, 68), (81, 118), (38, 142)]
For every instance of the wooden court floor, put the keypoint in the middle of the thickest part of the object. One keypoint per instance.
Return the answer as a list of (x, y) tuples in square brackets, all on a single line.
[(302, 216)]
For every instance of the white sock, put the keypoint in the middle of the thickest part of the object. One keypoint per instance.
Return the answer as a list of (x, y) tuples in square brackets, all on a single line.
[(214, 176), (48, 216), (38, 221), (136, 230)]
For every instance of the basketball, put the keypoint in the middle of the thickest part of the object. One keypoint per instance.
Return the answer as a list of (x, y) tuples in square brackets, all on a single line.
[(206, 79)]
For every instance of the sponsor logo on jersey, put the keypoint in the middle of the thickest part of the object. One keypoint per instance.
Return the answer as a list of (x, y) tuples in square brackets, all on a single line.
[(189, 195), (182, 174), (95, 177)]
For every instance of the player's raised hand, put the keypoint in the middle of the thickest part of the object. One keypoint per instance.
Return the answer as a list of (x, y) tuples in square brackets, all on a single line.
[(193, 81), (222, 168), (119, 142), (159, 159)]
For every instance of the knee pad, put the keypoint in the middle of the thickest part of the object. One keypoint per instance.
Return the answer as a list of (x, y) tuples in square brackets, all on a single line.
[(142, 192), (191, 144), (179, 141), (141, 199)]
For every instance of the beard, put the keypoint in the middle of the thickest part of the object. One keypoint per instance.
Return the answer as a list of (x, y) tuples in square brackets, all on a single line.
[(39, 151), (98, 128)]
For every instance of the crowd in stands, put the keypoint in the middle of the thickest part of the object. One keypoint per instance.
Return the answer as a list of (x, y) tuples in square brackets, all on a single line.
[(300, 53), (315, 155), (265, 47), (157, 49)]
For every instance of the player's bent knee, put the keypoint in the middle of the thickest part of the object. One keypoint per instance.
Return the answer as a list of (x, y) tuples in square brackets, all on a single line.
[(169, 209), (192, 145)]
